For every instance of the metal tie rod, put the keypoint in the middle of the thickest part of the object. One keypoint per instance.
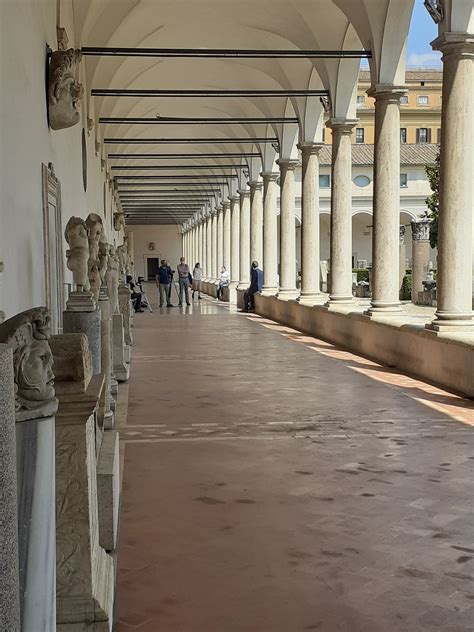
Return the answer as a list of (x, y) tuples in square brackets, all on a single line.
[(180, 155), (184, 94), (218, 53), (185, 141), (170, 120), (175, 167), (181, 177)]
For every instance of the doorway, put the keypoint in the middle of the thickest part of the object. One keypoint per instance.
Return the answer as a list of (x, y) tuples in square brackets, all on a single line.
[(152, 265)]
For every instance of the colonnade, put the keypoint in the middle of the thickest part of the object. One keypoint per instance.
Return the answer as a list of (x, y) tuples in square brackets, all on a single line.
[(244, 227)]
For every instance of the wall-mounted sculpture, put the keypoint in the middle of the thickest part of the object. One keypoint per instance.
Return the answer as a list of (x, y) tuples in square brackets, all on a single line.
[(27, 334), (77, 237), (119, 221), (64, 92)]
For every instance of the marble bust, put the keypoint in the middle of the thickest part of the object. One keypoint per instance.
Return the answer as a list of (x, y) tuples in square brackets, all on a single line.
[(27, 334), (103, 257), (77, 237), (119, 221), (64, 92)]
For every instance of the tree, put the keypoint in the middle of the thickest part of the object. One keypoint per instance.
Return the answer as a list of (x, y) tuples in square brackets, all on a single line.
[(432, 173)]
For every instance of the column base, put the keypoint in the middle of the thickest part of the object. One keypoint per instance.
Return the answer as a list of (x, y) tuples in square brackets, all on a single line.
[(449, 322), (290, 294), (336, 300), (313, 298), (381, 308), (269, 290)]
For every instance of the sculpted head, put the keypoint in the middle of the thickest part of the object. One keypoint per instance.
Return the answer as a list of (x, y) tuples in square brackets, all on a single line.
[(27, 333), (77, 237), (64, 92)]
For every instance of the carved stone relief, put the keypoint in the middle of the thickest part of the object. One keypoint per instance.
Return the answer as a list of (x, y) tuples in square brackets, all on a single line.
[(77, 237), (27, 334), (96, 232), (64, 92)]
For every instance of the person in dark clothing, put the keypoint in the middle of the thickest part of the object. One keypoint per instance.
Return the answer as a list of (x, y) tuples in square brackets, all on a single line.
[(170, 276), (163, 284), (256, 284), (135, 295)]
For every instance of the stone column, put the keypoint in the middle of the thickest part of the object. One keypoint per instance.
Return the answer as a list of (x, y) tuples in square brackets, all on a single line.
[(214, 244), (209, 247), (84, 571), (420, 231), (402, 256), (287, 289), (226, 236), (244, 252), (106, 357), (9, 577), (203, 247), (199, 256), (341, 213), (270, 233), (35, 406), (455, 227), (256, 223), (234, 239), (310, 241), (386, 217), (220, 239)]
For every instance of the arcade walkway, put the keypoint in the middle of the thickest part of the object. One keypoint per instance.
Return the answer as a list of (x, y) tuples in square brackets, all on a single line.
[(274, 483)]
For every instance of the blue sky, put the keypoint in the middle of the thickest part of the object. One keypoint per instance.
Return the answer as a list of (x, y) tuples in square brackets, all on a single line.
[(422, 31)]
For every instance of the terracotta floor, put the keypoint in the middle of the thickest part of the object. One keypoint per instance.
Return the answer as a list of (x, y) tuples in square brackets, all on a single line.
[(275, 483)]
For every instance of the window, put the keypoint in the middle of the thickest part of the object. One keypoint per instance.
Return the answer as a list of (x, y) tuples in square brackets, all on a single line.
[(403, 134), (359, 135), (360, 100), (361, 181), (423, 135), (324, 181), (403, 180), (404, 100), (423, 99)]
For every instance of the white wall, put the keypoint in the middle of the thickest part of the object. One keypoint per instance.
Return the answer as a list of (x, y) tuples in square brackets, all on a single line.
[(27, 27), (167, 242)]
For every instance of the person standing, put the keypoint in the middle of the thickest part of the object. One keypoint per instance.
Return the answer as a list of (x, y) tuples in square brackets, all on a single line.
[(183, 274), (170, 275), (256, 284), (197, 280), (224, 281), (163, 284)]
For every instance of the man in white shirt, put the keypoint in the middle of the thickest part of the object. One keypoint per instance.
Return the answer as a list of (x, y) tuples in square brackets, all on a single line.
[(183, 274)]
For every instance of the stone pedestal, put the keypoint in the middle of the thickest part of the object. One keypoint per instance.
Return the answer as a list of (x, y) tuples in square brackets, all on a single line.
[(9, 575), (121, 368), (106, 357), (35, 459), (421, 256), (108, 489), (88, 323), (80, 302), (85, 572)]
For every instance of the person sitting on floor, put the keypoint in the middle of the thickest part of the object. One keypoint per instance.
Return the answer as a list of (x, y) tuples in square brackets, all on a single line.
[(223, 282), (256, 284), (135, 294)]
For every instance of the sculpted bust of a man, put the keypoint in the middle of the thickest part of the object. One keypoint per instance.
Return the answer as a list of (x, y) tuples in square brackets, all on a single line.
[(64, 92), (77, 237), (112, 278), (27, 334)]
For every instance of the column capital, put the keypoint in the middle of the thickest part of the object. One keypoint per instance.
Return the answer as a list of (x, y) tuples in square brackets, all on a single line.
[(342, 125), (213, 212), (219, 208), (387, 92), (244, 192), (456, 44), (234, 198), (420, 229), (310, 149), (270, 175), (225, 204), (288, 164), (255, 184)]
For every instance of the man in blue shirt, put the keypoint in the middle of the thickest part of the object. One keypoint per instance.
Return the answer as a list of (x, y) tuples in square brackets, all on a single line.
[(163, 284), (256, 284)]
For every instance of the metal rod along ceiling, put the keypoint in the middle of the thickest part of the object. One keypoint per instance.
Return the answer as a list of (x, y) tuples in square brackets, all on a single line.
[(186, 141), (217, 53), (188, 94), (169, 120), (249, 154), (175, 167), (181, 177)]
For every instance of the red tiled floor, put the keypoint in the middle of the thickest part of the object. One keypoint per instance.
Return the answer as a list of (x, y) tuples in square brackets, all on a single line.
[(274, 483)]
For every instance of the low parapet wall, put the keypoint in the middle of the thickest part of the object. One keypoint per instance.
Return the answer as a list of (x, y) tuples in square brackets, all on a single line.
[(442, 359), (210, 288)]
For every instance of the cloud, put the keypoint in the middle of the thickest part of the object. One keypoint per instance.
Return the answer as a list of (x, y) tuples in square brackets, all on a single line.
[(432, 58)]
